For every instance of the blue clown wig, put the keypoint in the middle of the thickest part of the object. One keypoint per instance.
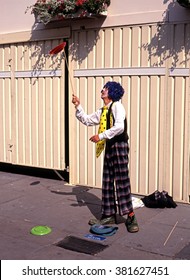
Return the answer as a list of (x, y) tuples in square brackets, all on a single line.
[(115, 90)]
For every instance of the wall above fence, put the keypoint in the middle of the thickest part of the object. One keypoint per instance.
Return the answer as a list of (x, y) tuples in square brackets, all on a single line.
[(137, 12)]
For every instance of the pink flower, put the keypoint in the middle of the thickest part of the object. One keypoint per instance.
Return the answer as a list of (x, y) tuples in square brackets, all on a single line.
[(80, 2)]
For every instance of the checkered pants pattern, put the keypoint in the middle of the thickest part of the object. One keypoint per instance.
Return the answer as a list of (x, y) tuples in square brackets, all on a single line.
[(116, 180)]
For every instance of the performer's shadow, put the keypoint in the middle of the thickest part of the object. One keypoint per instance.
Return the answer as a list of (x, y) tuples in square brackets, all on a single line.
[(83, 197)]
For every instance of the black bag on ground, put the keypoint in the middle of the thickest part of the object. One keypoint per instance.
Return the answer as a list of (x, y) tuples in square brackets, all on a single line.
[(159, 200)]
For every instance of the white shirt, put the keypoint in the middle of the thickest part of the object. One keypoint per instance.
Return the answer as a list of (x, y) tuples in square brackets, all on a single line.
[(118, 112)]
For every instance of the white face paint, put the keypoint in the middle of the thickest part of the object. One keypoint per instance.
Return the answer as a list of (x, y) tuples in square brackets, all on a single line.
[(104, 93)]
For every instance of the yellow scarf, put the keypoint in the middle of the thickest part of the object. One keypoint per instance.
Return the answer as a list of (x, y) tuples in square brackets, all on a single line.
[(102, 127)]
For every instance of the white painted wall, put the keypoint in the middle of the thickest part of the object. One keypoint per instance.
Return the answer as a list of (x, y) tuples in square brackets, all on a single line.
[(121, 12), (13, 17)]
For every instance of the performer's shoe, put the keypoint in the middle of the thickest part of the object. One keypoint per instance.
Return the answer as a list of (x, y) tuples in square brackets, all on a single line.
[(103, 221), (131, 224)]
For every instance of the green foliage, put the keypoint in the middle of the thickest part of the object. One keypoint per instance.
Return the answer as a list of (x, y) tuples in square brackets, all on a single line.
[(46, 10)]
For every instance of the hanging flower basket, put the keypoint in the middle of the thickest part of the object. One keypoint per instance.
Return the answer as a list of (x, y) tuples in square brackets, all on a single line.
[(184, 3), (48, 10)]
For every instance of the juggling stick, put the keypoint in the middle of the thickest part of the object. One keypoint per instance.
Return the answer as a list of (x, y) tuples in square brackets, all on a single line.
[(56, 50), (170, 233)]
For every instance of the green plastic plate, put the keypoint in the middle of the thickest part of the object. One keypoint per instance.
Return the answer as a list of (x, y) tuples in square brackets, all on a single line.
[(40, 230)]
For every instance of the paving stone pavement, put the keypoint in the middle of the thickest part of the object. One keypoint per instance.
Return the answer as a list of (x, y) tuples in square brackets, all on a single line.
[(30, 199)]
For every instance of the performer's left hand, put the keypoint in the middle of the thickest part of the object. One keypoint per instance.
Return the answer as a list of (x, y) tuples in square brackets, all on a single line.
[(95, 138)]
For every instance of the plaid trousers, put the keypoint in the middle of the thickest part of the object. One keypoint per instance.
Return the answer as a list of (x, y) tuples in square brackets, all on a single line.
[(116, 180)]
